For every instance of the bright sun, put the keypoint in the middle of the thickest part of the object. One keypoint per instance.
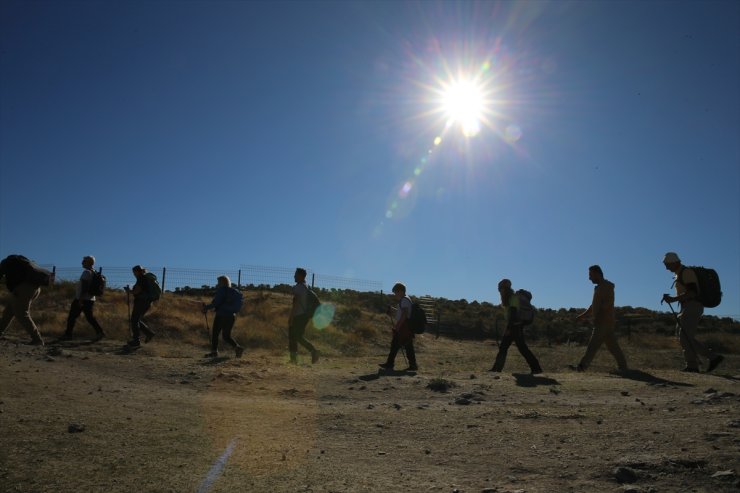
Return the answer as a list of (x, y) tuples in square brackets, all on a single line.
[(463, 103)]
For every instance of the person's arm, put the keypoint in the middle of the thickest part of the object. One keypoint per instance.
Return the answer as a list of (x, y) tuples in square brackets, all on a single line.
[(585, 314), (692, 291), (83, 285), (405, 313), (218, 299)]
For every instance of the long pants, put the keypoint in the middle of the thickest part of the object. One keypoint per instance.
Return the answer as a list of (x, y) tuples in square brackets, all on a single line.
[(295, 335), (603, 335), (86, 307), (689, 317), (141, 306), (396, 344), (222, 324), (515, 334), (19, 307)]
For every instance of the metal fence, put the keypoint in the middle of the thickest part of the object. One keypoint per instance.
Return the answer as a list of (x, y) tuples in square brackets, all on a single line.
[(174, 279)]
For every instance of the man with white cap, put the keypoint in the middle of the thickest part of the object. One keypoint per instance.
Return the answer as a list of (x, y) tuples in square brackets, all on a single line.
[(687, 295)]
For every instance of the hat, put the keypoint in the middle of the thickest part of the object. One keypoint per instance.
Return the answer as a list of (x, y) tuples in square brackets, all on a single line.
[(671, 258)]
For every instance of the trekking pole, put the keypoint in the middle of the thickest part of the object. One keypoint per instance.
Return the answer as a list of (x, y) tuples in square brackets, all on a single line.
[(208, 329)]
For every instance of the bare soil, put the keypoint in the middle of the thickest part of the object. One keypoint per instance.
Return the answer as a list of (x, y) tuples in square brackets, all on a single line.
[(90, 417)]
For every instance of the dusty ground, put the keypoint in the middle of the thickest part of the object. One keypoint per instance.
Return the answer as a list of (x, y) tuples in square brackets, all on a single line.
[(161, 418)]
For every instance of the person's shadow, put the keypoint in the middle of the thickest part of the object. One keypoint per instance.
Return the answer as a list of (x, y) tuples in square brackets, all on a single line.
[(529, 380), (386, 373), (641, 376)]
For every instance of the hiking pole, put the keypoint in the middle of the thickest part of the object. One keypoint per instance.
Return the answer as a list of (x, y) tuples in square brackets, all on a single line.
[(208, 329)]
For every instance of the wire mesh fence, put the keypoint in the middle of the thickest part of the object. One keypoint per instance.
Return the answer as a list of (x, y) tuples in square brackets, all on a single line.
[(177, 279)]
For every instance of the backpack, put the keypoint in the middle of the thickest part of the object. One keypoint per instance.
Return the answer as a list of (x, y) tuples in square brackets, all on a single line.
[(417, 319), (312, 302), (29, 271), (97, 284), (234, 300), (152, 286), (526, 310), (710, 291)]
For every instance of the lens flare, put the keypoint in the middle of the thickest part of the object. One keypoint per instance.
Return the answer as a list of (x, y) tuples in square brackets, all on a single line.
[(463, 103), (323, 316)]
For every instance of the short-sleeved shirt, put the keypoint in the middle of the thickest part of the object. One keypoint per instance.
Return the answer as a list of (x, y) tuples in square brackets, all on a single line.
[(300, 295), (403, 305), (683, 278), (86, 279), (602, 305), (513, 303)]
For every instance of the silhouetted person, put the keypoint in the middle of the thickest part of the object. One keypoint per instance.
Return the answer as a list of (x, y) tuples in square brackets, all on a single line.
[(403, 336), (144, 295), (227, 302), (299, 317), (24, 280), (84, 301), (602, 309), (687, 292), (514, 331)]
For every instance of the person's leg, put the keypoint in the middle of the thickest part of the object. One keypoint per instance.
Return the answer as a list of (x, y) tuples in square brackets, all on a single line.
[(87, 309), (521, 345), (301, 334), (218, 324), (395, 346), (411, 355), (610, 339), (140, 308), (74, 311), (227, 326), (597, 339), (25, 293), (688, 323), (7, 317), (293, 335), (503, 349)]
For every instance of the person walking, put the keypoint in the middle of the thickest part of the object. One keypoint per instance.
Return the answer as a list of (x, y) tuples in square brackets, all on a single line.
[(227, 302), (403, 336), (24, 280), (604, 320), (145, 293), (514, 331), (691, 310), (84, 301), (299, 317)]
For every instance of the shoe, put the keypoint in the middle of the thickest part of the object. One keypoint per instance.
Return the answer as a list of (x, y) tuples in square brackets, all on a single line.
[(412, 368), (65, 337), (315, 357), (238, 352), (714, 362), (386, 366), (212, 354), (35, 342), (149, 337), (133, 343), (536, 371), (495, 370), (579, 368), (690, 370), (98, 336)]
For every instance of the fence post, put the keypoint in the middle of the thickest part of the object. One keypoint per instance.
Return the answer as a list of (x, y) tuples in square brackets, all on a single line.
[(313, 278), (239, 279), (164, 274), (53, 274)]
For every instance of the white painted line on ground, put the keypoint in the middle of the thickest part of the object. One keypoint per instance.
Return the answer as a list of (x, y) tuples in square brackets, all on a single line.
[(217, 468)]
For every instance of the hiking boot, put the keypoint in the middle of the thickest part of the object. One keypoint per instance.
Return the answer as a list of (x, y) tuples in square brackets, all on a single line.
[(314, 356), (412, 368), (238, 352), (212, 354), (579, 368), (714, 362), (36, 341), (149, 336), (65, 337), (98, 336), (133, 343), (495, 370), (386, 366), (690, 370), (536, 371)]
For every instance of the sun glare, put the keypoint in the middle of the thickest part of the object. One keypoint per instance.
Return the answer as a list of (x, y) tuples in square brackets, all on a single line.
[(463, 103)]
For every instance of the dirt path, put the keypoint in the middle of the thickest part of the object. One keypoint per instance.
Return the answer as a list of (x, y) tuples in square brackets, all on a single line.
[(159, 420)]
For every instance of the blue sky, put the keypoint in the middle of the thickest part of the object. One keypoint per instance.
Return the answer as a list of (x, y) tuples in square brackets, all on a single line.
[(215, 134)]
